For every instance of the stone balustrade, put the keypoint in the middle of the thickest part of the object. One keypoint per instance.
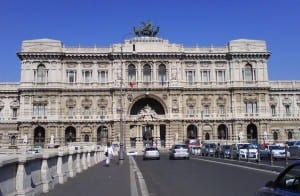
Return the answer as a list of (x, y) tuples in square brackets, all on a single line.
[(32, 174)]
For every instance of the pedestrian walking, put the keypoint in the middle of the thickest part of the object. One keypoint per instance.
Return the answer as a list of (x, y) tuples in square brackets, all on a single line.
[(108, 154)]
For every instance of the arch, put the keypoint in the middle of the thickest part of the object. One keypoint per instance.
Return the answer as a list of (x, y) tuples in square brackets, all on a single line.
[(290, 135), (140, 104), (222, 132), (39, 136), (162, 73), (192, 132), (70, 134), (147, 73), (252, 133), (102, 135), (131, 72), (13, 140)]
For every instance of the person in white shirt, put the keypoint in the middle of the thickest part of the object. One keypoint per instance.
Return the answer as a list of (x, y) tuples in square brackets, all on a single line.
[(108, 151)]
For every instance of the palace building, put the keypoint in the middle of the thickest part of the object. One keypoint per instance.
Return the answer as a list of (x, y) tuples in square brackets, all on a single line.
[(147, 91)]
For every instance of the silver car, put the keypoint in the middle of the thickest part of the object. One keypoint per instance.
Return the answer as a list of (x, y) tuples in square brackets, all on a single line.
[(179, 151), (151, 153)]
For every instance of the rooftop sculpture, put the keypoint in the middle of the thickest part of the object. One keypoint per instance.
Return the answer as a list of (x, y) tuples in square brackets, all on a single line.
[(146, 29)]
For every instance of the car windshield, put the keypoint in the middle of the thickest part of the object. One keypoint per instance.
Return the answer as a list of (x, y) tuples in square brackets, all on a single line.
[(151, 149), (180, 146), (212, 145), (276, 147), (226, 147)]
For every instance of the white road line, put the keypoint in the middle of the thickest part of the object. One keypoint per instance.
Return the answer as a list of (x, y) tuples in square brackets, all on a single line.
[(240, 166), (135, 172)]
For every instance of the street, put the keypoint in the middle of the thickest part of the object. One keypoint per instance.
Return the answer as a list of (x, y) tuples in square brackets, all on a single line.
[(200, 177)]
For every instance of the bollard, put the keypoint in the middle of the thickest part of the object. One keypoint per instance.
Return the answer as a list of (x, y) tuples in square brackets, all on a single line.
[(286, 157), (247, 153), (271, 157), (258, 156)]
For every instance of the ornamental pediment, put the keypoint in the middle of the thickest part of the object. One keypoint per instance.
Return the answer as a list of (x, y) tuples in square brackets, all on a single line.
[(287, 101), (147, 114)]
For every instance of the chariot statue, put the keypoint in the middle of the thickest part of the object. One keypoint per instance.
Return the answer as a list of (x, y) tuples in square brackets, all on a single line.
[(146, 29)]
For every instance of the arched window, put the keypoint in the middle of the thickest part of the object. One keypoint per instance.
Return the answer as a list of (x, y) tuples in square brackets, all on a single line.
[(41, 74), (275, 136), (249, 73), (290, 135), (147, 73), (131, 73), (162, 74)]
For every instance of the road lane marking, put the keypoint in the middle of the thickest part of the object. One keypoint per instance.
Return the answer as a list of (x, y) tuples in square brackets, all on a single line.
[(136, 173), (240, 166)]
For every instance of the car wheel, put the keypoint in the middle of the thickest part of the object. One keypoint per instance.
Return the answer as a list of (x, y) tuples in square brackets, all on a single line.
[(158, 158)]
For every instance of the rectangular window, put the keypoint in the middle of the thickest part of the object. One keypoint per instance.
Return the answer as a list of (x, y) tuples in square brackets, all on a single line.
[(251, 107), (221, 109), (191, 110), (70, 111), (103, 76), (14, 112), (287, 110), (220, 75), (87, 76), (39, 110), (273, 110), (205, 75), (190, 76), (206, 110), (102, 111), (71, 76), (86, 111)]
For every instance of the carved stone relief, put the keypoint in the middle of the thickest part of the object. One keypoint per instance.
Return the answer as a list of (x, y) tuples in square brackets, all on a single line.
[(286, 101), (206, 100), (191, 101), (86, 102), (70, 102)]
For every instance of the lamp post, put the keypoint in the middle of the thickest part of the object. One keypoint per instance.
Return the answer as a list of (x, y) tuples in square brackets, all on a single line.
[(121, 154)]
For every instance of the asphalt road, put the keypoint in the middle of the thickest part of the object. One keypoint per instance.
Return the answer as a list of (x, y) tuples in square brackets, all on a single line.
[(200, 177)]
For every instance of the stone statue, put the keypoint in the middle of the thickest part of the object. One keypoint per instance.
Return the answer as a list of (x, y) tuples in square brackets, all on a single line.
[(147, 29), (25, 139), (52, 139)]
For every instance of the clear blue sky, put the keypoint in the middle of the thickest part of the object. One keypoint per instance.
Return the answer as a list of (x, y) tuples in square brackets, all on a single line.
[(187, 22)]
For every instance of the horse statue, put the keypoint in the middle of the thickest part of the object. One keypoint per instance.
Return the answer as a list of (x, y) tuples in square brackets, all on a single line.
[(147, 29)]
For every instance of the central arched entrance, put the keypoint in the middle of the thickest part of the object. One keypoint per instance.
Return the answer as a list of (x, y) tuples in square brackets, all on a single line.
[(39, 136), (70, 134), (147, 128), (252, 133)]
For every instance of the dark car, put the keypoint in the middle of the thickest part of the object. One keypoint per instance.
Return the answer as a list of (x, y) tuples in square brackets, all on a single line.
[(225, 151), (287, 183), (208, 149)]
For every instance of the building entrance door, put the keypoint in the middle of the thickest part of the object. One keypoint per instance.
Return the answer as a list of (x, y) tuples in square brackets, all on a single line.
[(147, 131)]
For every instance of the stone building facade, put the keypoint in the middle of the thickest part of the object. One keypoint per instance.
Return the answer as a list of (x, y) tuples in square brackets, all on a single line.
[(147, 91)]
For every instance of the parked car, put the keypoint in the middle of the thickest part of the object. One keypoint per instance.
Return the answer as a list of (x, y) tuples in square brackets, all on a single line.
[(225, 151), (235, 149), (248, 151), (287, 183), (208, 149), (278, 152), (179, 151), (151, 153), (195, 150)]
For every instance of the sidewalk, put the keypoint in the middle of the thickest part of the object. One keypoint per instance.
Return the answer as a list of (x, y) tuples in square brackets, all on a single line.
[(97, 180)]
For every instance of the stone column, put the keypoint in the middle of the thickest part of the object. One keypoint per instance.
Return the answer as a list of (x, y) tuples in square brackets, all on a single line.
[(88, 158), (20, 177), (45, 176), (60, 171), (78, 165), (70, 164), (83, 160)]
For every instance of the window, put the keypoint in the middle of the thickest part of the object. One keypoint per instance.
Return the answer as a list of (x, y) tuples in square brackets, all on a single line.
[(87, 76), (14, 112), (71, 76), (206, 110), (287, 110), (249, 74), (39, 110), (147, 73), (205, 75), (40, 74), (220, 75), (103, 76), (221, 109), (275, 136), (86, 111), (102, 111), (131, 73), (273, 110), (191, 110), (289, 181), (71, 111), (290, 135), (162, 74), (190, 76), (251, 107)]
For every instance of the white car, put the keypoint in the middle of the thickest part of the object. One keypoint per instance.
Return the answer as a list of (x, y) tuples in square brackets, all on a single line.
[(132, 153), (179, 151), (151, 153), (248, 151), (278, 152)]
